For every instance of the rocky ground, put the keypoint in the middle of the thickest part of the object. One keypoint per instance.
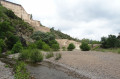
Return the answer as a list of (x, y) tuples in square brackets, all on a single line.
[(95, 65), (5, 71)]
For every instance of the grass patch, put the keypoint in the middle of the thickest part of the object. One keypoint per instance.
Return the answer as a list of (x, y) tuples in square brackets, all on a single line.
[(21, 71), (49, 55), (114, 50), (58, 56)]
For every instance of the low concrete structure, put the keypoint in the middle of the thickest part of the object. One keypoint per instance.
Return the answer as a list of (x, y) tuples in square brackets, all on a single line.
[(66, 42)]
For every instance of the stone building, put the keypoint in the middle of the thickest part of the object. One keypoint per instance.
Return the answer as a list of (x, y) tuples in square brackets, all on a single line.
[(21, 13)]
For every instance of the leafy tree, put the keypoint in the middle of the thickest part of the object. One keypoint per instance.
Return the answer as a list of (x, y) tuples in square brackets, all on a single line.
[(5, 29), (111, 42), (46, 37), (84, 46), (17, 47), (71, 47)]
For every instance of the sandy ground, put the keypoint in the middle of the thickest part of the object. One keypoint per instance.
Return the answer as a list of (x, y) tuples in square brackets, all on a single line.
[(96, 65), (5, 72)]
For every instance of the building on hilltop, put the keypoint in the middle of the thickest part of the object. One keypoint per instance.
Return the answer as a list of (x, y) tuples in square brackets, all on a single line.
[(21, 13)]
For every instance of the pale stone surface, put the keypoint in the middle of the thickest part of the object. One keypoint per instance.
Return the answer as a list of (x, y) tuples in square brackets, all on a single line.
[(5, 72), (66, 42)]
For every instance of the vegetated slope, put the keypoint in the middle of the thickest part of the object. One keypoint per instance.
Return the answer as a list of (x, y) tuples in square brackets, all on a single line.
[(59, 35), (19, 27)]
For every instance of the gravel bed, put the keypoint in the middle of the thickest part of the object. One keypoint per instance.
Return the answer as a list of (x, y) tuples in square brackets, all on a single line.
[(5, 72)]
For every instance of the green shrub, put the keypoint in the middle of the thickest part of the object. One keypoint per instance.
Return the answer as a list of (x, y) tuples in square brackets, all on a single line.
[(55, 47), (25, 54), (58, 56), (36, 56), (46, 37), (8, 52), (21, 71), (33, 55), (32, 46), (11, 14), (11, 41), (46, 47), (63, 48), (2, 45), (40, 44), (49, 55), (84, 46), (71, 47), (52, 42), (17, 47)]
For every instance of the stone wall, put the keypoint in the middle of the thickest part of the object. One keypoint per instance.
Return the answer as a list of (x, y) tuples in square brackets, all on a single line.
[(66, 42), (21, 13)]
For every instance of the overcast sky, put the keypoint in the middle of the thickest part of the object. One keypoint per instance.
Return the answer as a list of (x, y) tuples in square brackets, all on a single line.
[(79, 18)]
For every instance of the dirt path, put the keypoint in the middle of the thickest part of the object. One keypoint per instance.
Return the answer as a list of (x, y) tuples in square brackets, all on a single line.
[(96, 65), (5, 72)]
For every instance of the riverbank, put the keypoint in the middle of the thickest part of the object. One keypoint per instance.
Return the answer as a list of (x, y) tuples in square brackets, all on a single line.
[(92, 64), (5, 71)]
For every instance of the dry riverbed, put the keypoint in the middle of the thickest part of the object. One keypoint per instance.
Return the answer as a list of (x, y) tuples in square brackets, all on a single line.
[(95, 65)]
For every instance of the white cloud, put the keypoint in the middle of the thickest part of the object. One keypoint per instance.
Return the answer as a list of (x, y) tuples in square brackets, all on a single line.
[(79, 18)]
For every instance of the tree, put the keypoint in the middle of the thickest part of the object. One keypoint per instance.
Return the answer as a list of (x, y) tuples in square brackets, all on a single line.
[(71, 47), (84, 46), (110, 42)]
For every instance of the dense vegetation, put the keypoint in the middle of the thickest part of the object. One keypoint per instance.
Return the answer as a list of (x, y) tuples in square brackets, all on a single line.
[(111, 41), (59, 35), (12, 28)]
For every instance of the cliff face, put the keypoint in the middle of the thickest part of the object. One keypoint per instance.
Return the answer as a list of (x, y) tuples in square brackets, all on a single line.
[(21, 13)]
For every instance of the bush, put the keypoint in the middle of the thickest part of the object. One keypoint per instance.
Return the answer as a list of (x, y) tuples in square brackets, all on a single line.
[(46, 47), (2, 45), (25, 54), (11, 14), (58, 56), (17, 47), (36, 56), (32, 46), (11, 41), (8, 52), (40, 44), (49, 55), (63, 48), (46, 37), (71, 47), (33, 55), (84, 46), (21, 71), (55, 47)]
